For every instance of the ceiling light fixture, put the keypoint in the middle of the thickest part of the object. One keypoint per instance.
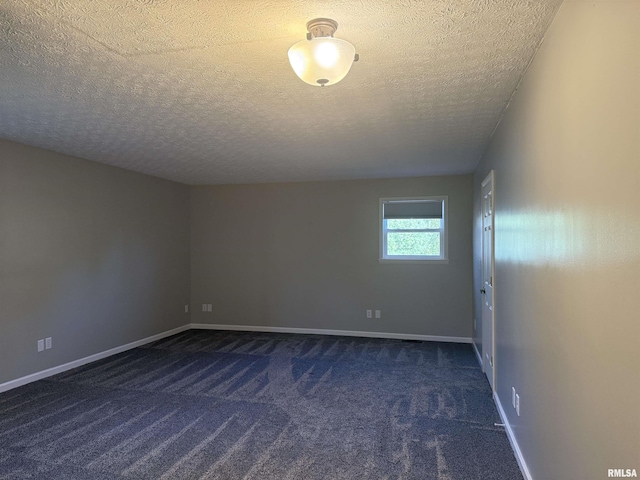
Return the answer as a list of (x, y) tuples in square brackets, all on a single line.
[(321, 59)]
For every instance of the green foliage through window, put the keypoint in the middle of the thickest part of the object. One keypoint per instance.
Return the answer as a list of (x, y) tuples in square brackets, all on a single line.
[(413, 243), (413, 223)]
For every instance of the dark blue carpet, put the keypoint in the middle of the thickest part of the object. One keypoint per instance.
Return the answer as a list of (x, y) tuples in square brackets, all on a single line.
[(235, 405)]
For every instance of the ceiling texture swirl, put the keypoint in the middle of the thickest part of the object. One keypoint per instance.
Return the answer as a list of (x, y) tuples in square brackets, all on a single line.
[(201, 92)]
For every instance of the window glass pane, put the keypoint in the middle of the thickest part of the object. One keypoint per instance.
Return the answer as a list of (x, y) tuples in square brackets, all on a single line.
[(413, 243), (412, 223)]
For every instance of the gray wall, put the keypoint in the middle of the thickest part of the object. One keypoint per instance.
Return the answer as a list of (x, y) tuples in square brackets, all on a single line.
[(305, 255), (567, 191), (91, 255)]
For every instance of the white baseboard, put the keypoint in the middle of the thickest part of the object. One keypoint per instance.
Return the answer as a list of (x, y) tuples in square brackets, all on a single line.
[(475, 349), (512, 439), (322, 331), (18, 382)]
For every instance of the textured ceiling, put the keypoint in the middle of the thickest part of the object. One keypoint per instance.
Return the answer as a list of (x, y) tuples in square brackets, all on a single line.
[(201, 92)]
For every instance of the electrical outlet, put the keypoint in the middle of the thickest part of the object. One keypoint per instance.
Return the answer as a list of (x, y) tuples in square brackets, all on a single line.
[(204, 307), (369, 314), (378, 314), (518, 404), (41, 345), (48, 343), (209, 308), (186, 309)]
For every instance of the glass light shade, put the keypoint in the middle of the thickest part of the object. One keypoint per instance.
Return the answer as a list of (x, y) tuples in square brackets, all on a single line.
[(322, 60)]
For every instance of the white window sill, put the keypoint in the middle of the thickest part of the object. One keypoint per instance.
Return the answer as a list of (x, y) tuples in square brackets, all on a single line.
[(415, 260)]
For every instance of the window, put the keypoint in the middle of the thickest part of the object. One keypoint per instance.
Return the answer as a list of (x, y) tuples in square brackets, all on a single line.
[(413, 229)]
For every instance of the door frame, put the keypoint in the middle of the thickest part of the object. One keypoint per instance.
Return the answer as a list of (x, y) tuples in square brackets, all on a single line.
[(490, 323)]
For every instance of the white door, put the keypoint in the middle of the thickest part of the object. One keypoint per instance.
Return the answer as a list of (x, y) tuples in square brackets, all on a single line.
[(487, 280)]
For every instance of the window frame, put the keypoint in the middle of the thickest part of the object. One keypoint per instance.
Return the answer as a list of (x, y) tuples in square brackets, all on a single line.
[(443, 230)]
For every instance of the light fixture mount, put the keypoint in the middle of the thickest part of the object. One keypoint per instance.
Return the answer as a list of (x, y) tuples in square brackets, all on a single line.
[(321, 27), (322, 59)]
